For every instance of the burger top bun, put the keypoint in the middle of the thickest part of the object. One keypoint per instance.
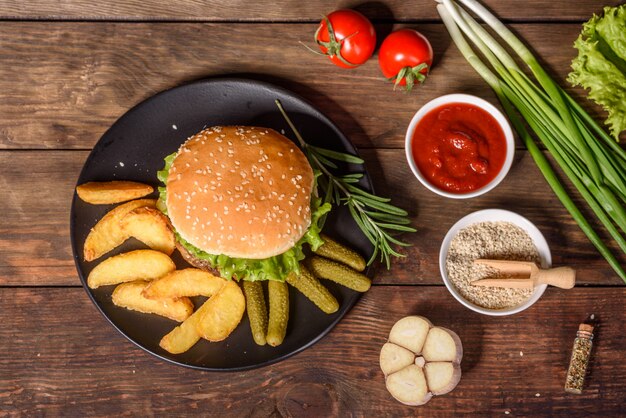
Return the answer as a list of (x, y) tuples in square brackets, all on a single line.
[(241, 191)]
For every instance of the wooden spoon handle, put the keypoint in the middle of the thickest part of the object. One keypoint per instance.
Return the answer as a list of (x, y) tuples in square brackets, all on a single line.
[(563, 277)]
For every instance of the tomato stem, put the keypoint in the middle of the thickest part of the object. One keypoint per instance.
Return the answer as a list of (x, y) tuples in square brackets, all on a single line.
[(333, 47), (411, 75)]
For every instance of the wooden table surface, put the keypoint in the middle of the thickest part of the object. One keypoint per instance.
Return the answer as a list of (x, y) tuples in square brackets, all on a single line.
[(69, 69)]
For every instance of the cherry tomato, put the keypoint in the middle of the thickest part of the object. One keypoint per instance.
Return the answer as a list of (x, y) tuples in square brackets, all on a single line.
[(347, 37), (405, 57)]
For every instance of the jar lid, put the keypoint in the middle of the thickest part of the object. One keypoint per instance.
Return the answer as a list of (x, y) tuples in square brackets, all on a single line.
[(586, 328)]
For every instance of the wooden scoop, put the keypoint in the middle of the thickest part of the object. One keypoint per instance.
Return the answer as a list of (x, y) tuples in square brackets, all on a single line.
[(526, 274)]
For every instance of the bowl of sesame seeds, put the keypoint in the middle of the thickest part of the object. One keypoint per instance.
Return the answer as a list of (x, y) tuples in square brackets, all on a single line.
[(492, 234)]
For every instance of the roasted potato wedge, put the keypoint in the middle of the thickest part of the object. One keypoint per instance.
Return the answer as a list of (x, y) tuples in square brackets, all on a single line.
[(108, 192), (184, 336), (108, 234), (130, 266), (214, 320), (187, 282), (222, 313), (151, 227), (129, 295)]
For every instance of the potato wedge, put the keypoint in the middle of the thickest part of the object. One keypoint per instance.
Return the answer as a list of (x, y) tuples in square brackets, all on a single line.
[(108, 192), (129, 295), (184, 336), (222, 313), (151, 227), (108, 234), (133, 265), (214, 320), (187, 282)]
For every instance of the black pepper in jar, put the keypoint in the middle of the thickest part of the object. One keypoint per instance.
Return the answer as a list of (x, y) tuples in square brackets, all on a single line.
[(580, 359)]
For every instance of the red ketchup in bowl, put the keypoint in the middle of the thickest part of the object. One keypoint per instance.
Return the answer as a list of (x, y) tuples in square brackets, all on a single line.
[(459, 147)]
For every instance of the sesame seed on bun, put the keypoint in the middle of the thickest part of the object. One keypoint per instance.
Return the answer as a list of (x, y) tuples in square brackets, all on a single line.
[(241, 191)]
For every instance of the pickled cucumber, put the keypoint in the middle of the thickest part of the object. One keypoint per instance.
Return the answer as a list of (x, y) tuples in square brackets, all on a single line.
[(340, 273), (339, 252), (311, 287), (257, 310), (279, 312)]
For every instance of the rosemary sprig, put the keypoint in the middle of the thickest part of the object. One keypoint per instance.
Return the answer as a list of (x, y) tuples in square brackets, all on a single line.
[(375, 216)]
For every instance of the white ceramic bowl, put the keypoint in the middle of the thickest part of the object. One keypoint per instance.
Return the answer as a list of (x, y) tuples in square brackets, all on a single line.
[(495, 215), (476, 101)]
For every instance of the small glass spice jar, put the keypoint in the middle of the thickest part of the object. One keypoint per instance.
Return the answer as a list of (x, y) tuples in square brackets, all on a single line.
[(580, 359)]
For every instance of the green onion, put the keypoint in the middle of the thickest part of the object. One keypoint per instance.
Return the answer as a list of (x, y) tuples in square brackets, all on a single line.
[(590, 159)]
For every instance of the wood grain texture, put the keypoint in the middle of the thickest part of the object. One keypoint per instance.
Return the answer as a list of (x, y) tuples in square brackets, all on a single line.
[(63, 84), (34, 230), (66, 360), (291, 10)]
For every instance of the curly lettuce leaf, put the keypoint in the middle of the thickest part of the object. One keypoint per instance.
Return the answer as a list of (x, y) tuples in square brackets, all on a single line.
[(610, 31), (272, 268), (162, 175), (600, 65)]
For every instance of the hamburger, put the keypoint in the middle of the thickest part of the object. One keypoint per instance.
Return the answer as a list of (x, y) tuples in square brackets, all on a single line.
[(242, 202)]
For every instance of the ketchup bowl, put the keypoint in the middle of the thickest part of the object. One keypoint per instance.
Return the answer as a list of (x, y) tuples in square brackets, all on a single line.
[(459, 146)]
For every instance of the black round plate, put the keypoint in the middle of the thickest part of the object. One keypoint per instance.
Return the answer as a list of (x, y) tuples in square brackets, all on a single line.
[(134, 148)]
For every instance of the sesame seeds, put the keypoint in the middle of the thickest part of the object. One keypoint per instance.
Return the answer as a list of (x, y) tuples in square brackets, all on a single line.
[(240, 188), (499, 240)]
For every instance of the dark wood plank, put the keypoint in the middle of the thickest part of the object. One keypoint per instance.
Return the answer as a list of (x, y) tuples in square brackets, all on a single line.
[(78, 78), (66, 360), (34, 231), (291, 10)]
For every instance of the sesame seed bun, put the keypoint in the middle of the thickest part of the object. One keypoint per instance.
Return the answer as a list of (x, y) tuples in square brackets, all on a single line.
[(241, 191)]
